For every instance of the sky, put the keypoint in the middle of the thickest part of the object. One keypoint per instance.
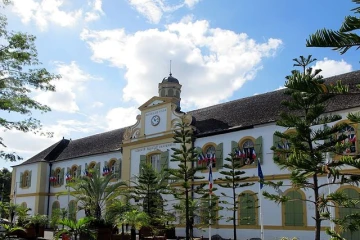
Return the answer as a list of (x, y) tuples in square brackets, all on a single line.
[(112, 54)]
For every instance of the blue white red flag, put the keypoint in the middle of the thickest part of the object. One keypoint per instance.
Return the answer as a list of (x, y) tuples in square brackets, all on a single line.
[(210, 179)]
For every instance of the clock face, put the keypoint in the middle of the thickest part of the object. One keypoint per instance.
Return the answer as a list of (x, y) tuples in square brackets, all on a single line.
[(155, 120)]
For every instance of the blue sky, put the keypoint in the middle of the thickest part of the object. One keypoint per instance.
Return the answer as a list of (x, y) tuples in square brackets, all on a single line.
[(113, 53)]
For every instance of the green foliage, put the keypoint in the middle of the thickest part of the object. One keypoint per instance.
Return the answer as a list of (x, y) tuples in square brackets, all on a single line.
[(185, 173), (5, 184), (233, 179), (136, 219), (311, 140), (95, 192), (9, 229), (76, 228), (341, 40), (149, 187), (19, 78)]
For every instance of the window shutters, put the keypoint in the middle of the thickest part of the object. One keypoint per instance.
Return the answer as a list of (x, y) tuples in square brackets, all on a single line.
[(258, 150), (234, 146), (86, 167), (219, 155), (21, 180), (142, 162), (62, 173), (97, 167), (276, 141), (118, 168), (164, 160), (78, 171), (29, 179)]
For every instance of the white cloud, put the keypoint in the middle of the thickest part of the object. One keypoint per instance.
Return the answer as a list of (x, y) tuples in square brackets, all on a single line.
[(153, 10), (72, 81), (44, 12), (121, 117), (332, 67), (210, 63), (97, 104)]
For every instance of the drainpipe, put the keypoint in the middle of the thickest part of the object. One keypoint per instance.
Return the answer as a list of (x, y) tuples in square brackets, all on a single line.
[(48, 201)]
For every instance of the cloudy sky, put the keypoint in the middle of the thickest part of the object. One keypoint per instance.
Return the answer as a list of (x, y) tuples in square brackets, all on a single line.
[(113, 53)]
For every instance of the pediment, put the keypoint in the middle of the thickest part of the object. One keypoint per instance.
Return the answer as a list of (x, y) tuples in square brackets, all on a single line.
[(156, 101)]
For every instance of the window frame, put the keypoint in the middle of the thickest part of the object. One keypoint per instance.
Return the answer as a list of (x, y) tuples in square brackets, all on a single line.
[(256, 206), (204, 149), (304, 209)]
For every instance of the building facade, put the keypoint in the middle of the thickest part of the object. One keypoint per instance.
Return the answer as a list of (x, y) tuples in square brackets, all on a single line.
[(247, 124)]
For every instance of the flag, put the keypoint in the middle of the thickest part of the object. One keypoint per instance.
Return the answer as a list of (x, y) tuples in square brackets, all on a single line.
[(210, 179), (200, 158), (253, 154), (242, 154), (260, 175)]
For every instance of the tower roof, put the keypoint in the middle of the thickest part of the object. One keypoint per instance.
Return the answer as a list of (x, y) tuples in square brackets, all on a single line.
[(170, 79)]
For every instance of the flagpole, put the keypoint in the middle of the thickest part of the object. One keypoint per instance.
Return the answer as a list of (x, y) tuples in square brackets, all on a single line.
[(261, 178), (210, 219)]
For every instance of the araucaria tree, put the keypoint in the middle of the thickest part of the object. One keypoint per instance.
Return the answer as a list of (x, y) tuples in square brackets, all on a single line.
[(19, 77), (343, 39), (233, 179), (302, 150), (149, 187), (184, 174)]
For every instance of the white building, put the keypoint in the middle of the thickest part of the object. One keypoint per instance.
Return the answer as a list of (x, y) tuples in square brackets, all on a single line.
[(247, 123)]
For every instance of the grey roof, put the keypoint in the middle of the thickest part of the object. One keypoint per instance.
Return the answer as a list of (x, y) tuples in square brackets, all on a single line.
[(237, 114), (265, 108), (68, 149)]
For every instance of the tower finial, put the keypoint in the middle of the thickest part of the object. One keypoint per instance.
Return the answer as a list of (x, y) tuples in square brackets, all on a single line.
[(170, 69)]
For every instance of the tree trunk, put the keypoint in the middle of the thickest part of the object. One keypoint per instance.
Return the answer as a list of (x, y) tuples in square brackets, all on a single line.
[(317, 213), (133, 234), (187, 214), (234, 212)]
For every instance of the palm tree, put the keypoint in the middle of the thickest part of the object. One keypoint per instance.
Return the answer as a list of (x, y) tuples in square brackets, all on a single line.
[(341, 40), (9, 230), (76, 228), (136, 220), (94, 192)]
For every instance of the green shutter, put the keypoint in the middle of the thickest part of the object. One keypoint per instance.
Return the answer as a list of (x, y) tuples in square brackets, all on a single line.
[(276, 141), (62, 173), (97, 167), (119, 168), (29, 179), (247, 209), (198, 150), (21, 180), (219, 155), (164, 160), (142, 162), (234, 146), (258, 149), (86, 167), (78, 171)]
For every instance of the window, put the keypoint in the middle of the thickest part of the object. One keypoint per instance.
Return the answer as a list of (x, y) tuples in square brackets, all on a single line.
[(350, 141), (58, 176), (155, 162), (74, 171), (207, 155), (72, 210), (353, 194), (247, 209), (25, 179), (207, 211), (91, 165), (24, 204), (294, 210), (55, 206)]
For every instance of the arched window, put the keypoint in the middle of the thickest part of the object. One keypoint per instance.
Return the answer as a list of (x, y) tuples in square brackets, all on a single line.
[(72, 210), (55, 206), (352, 193), (25, 179), (248, 209), (208, 155), (24, 204), (155, 162), (294, 210), (248, 148), (171, 93), (91, 165), (112, 166), (74, 170), (58, 176)]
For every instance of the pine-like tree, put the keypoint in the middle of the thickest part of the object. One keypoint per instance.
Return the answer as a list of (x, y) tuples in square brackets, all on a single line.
[(185, 173), (233, 179), (149, 187), (310, 140)]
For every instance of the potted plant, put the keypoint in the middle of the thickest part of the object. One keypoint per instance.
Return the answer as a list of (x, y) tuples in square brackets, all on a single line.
[(8, 230), (38, 221), (136, 220)]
